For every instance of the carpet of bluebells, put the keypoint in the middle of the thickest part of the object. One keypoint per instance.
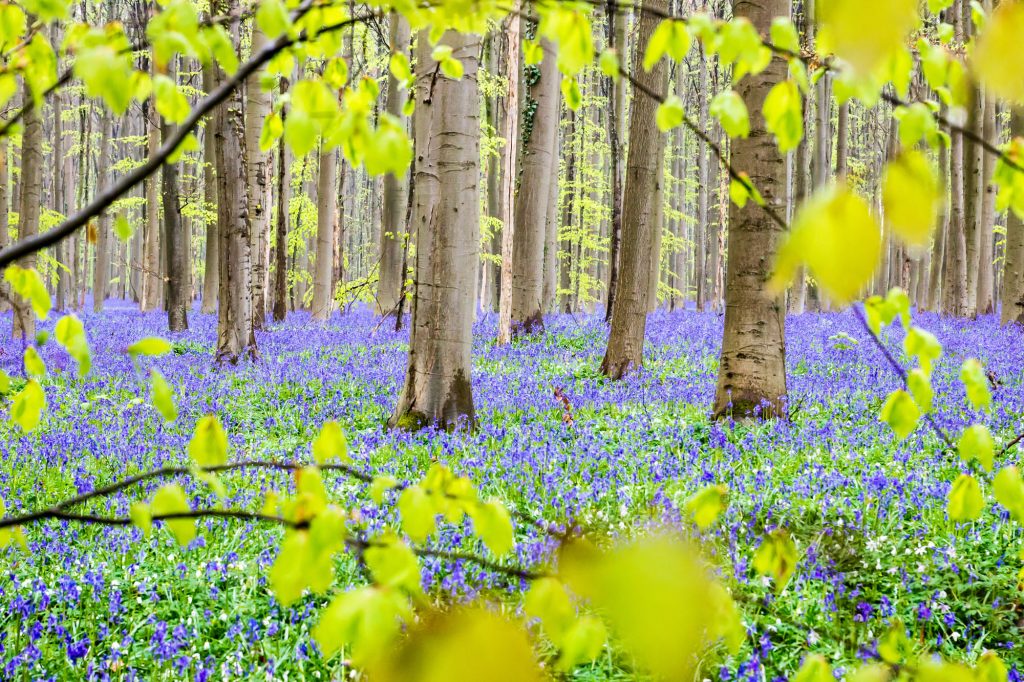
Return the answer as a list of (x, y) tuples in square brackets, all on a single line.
[(867, 511)]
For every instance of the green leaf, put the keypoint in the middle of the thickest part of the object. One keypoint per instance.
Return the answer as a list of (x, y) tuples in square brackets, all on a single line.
[(209, 444), (568, 26), (990, 668), (671, 37), (380, 485), (912, 197), (532, 52), (901, 413), (29, 285), (893, 646), (366, 619), (571, 92), (417, 512), (271, 131), (170, 499), (1009, 491), (152, 346), (670, 113), (330, 444), (141, 517), (493, 524), (171, 102), (34, 365), (450, 66), (548, 601), (70, 333), (27, 408), (161, 395), (965, 502), (815, 668), (777, 557), (608, 62), (707, 505), (399, 67), (582, 643), (976, 383), (866, 34), (728, 107), (272, 18), (289, 574), (920, 386), (837, 238), (999, 39), (784, 35), (783, 115), (221, 47), (393, 564), (976, 443), (5, 383), (122, 228), (922, 344)]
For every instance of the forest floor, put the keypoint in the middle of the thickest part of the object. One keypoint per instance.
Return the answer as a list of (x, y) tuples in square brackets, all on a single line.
[(867, 512)]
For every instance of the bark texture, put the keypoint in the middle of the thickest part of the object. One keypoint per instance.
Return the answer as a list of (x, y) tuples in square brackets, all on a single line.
[(752, 369), (641, 211), (437, 389)]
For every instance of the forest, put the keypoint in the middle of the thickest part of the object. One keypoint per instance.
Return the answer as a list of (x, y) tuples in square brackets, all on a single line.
[(512, 340)]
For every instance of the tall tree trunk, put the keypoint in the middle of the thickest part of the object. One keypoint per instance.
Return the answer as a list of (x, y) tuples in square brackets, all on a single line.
[(540, 144), (152, 286), (955, 279), (935, 275), (641, 210), (550, 288), (974, 188), (700, 241), (566, 260), (437, 388), (986, 258), (752, 371), (235, 334), (24, 323), (616, 121), (396, 190), (1012, 293), (323, 286), (257, 108), (177, 248), (211, 278), (101, 267), (284, 194), (509, 181)]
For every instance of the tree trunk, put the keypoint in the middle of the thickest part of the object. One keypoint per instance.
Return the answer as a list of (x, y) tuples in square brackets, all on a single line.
[(437, 389), (566, 260), (936, 267), (700, 241), (974, 188), (641, 210), (284, 195), (616, 116), (177, 248), (540, 144), (257, 108), (509, 180), (24, 323), (101, 267), (235, 334), (1012, 293), (986, 258), (211, 278), (752, 370), (396, 190), (323, 286)]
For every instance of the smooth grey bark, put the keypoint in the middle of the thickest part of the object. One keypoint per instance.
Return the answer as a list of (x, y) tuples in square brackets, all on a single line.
[(326, 212), (24, 323), (752, 370), (177, 247), (284, 194), (235, 334), (936, 267), (1012, 292), (985, 304), (211, 277), (700, 241), (437, 389), (616, 134), (509, 179), (566, 255), (152, 286), (396, 190), (641, 210), (974, 187), (257, 171), (101, 265), (539, 142)]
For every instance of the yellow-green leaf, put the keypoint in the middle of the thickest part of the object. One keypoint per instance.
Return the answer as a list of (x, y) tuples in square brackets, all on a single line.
[(965, 502), (777, 557), (28, 406), (992, 58), (152, 346), (912, 198), (70, 333), (670, 113), (707, 505), (976, 443), (901, 413), (331, 443), (162, 396), (976, 383), (209, 444), (170, 499), (34, 365), (493, 525)]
